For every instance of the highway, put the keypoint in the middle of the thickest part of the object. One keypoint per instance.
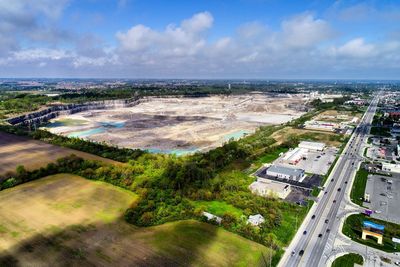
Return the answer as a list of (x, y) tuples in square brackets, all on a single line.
[(321, 225)]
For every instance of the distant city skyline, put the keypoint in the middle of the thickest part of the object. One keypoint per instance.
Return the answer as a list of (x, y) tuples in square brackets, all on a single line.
[(240, 39)]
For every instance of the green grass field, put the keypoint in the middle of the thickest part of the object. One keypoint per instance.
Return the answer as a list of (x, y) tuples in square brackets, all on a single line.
[(270, 157), (348, 260), (218, 208), (358, 189), (77, 221)]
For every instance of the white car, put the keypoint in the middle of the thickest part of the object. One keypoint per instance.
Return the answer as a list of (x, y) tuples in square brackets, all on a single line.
[(378, 212), (397, 263)]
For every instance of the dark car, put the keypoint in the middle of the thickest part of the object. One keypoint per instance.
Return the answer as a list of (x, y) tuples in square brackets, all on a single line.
[(332, 180), (345, 182), (305, 232), (328, 230), (325, 193), (313, 217), (334, 201), (339, 189), (320, 235), (301, 252), (326, 221)]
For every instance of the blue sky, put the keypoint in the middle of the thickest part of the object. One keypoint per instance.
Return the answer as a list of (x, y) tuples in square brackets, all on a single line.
[(262, 39)]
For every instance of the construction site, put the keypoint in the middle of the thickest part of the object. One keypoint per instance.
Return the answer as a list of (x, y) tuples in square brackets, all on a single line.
[(180, 125)]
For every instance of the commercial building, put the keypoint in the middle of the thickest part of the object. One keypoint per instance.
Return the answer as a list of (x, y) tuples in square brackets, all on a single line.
[(316, 146), (295, 155), (264, 187), (389, 167), (285, 172)]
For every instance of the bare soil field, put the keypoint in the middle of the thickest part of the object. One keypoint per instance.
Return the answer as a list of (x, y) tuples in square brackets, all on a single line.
[(66, 220), (329, 138), (33, 154), (337, 116), (181, 124)]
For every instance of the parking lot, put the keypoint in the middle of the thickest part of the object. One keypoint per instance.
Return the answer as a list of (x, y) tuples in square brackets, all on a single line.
[(384, 197), (315, 162)]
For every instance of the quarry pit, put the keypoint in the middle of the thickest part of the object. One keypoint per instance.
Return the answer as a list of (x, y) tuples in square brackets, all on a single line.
[(180, 125)]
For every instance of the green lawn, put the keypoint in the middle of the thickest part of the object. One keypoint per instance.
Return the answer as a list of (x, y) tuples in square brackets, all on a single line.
[(270, 157), (358, 189), (206, 245), (218, 208), (353, 228), (348, 260)]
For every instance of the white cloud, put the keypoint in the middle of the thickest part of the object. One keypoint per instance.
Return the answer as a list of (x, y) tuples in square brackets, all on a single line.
[(305, 31), (40, 54), (355, 48)]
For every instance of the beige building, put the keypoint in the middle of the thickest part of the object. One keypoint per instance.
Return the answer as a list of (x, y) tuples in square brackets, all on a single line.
[(264, 187)]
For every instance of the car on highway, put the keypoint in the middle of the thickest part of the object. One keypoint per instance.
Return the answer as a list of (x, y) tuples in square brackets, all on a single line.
[(320, 235), (326, 221), (345, 182), (339, 189), (328, 230), (305, 232), (301, 252), (293, 252), (332, 180), (397, 263), (334, 201), (313, 217)]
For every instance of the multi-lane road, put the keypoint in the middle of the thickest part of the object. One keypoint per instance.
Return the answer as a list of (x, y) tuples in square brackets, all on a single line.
[(321, 226)]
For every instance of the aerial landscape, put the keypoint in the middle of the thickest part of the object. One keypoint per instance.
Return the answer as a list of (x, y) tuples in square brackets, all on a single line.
[(211, 133)]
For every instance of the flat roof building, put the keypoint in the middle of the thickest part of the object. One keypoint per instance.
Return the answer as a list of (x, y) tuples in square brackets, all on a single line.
[(317, 146), (389, 167), (295, 155), (266, 188), (285, 172)]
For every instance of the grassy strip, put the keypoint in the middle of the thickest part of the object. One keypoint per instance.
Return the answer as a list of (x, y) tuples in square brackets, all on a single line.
[(358, 189), (352, 228), (348, 260)]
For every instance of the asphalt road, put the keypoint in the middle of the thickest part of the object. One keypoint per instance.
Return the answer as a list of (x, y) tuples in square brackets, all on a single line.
[(322, 223)]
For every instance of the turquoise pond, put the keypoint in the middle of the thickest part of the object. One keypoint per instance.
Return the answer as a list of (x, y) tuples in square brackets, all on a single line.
[(236, 135), (178, 152), (102, 129)]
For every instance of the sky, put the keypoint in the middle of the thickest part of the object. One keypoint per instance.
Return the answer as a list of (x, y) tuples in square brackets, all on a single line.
[(200, 39)]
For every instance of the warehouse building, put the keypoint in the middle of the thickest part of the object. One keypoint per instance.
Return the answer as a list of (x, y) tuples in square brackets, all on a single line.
[(285, 172), (264, 187), (295, 155), (316, 146)]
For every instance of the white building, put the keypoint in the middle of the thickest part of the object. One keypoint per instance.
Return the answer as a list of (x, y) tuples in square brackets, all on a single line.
[(316, 146), (389, 167), (256, 220), (285, 172), (295, 155), (265, 187), (212, 217)]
